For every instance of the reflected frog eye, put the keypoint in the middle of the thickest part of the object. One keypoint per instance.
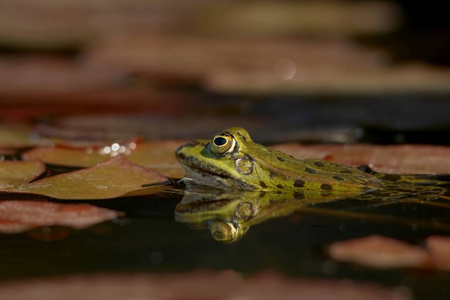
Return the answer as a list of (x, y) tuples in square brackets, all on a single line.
[(222, 144)]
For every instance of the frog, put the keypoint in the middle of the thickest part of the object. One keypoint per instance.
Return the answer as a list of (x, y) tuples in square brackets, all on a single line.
[(232, 160)]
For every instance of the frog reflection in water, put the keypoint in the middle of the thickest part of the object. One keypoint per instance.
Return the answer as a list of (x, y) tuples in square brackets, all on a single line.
[(255, 179), (229, 215)]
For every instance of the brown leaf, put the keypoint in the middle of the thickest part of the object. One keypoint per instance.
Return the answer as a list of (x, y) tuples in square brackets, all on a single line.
[(157, 155), (12, 137), (21, 215), (113, 178), (16, 173), (378, 252)]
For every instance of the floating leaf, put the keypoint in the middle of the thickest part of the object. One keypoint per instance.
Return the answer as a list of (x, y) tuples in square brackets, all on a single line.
[(19, 137), (411, 159), (21, 215), (16, 173), (158, 155), (379, 252), (113, 178), (402, 159)]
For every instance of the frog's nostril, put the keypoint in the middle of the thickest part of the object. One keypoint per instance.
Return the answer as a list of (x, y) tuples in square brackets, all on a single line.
[(180, 155)]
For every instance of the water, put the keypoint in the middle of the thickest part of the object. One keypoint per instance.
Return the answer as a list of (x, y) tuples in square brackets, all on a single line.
[(149, 239)]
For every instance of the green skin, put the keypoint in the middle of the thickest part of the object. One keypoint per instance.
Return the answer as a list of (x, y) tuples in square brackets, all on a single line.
[(251, 166)]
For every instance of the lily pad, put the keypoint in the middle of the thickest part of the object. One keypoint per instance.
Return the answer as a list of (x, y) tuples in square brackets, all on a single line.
[(22, 215), (402, 159), (113, 178), (16, 173), (157, 155), (20, 137)]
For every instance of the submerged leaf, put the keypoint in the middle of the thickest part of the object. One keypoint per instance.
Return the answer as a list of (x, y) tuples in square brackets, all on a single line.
[(21, 215), (113, 178), (379, 252), (16, 173), (158, 155), (439, 249), (196, 285)]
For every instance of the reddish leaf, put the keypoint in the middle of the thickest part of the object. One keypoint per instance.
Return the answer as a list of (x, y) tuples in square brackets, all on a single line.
[(411, 159), (405, 159), (18, 216)]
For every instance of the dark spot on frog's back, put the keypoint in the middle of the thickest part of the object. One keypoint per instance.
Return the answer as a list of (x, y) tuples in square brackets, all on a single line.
[(338, 178), (299, 183), (280, 158), (318, 164), (280, 186), (262, 184), (311, 171), (326, 186)]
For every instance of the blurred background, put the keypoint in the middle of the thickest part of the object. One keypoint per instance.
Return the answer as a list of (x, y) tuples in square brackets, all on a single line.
[(310, 71)]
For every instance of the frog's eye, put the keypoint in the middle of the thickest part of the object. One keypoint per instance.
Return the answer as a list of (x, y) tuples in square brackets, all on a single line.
[(222, 144)]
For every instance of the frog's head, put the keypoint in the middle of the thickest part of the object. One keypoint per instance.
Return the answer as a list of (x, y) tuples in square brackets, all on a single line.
[(220, 162)]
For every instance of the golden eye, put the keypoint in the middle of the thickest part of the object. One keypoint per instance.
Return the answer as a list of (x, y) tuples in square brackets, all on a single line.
[(222, 144)]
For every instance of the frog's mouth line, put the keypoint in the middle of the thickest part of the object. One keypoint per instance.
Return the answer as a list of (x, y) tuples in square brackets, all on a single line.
[(208, 172), (223, 177)]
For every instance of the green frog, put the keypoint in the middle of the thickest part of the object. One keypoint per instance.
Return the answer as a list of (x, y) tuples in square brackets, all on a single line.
[(231, 160)]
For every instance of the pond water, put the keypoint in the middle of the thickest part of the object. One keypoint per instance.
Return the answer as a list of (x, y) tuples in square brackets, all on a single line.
[(149, 239)]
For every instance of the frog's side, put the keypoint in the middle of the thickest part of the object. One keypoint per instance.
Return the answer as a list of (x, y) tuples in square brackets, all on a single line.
[(232, 160)]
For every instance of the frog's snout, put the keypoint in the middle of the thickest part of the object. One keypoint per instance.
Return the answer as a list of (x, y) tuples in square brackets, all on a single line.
[(184, 149), (179, 153)]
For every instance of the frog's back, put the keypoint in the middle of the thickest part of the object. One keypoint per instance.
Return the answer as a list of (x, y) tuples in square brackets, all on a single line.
[(280, 170)]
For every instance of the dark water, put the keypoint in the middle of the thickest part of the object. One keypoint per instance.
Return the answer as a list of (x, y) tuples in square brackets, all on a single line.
[(150, 240)]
